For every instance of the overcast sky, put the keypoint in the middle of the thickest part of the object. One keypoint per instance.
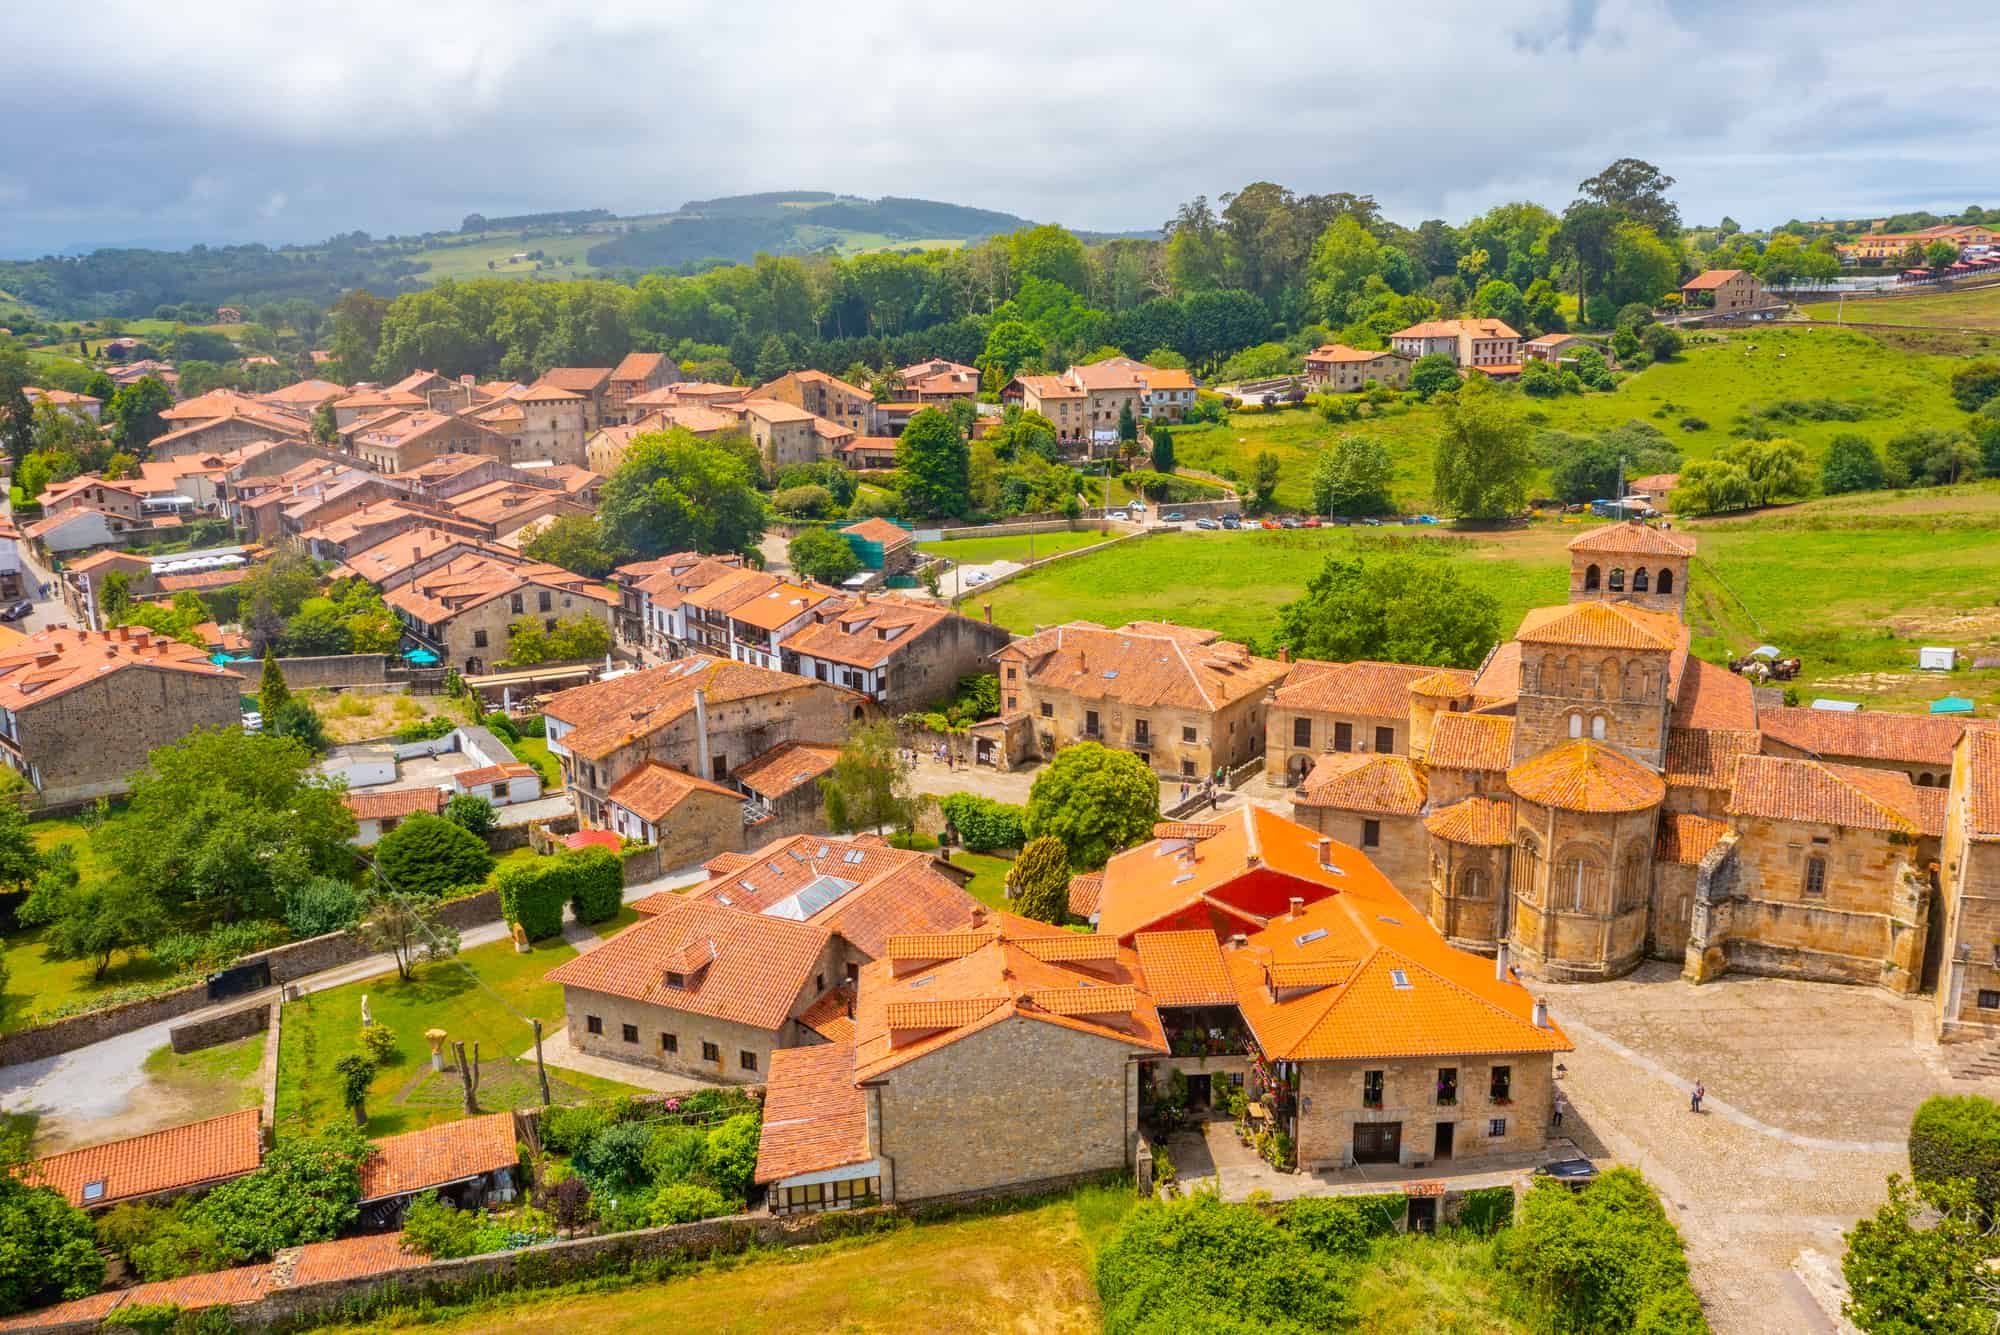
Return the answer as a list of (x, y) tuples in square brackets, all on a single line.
[(133, 121)]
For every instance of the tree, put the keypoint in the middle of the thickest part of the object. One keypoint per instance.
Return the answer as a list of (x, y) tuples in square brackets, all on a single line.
[(1710, 486), (869, 784), (406, 925), (823, 555), (935, 463), (272, 592), (1582, 470), (355, 1070), (675, 492), (1851, 464), (573, 542), (1010, 345), (1128, 425), (322, 904), (1929, 457), (1774, 469), (92, 922), (1662, 342), (1501, 300), (223, 822), (1935, 1279), (1403, 609), (134, 412), (1095, 800), (1958, 1137), (48, 1247), (469, 811), (1482, 462), (573, 640), (1038, 882), (1606, 1259), (1940, 254), (300, 722), (1353, 476), (272, 692), (1163, 448), (1642, 266), (306, 1191), (429, 855), (325, 426), (1973, 384), (1636, 190), (1264, 472), (16, 412), (1433, 374)]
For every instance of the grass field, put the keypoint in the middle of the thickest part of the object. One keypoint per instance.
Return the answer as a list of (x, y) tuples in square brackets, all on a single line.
[(989, 877), (321, 1028), (213, 1080), (360, 716), (980, 551), (1711, 382), (469, 259), (35, 981), (1977, 309)]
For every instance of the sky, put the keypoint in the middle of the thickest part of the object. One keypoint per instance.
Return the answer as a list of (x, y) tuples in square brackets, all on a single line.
[(136, 122)]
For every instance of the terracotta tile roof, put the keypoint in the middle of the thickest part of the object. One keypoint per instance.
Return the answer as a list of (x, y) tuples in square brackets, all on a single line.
[(1084, 891), (1156, 882), (1144, 664), (1602, 626), (1499, 676), (1184, 969), (381, 398), (1049, 386), (1909, 739), (1706, 758), (346, 1258), (637, 366), (1389, 785), (1340, 352), (1481, 822), (1686, 839), (874, 529), (1634, 539), (1471, 741), (1711, 278), (176, 1159), (395, 802), (608, 715), (1069, 947), (1444, 684), (442, 1154), (1186, 829), (785, 768), (393, 555), (1170, 378), (902, 1015), (869, 634), (831, 1016), (1481, 328), (1817, 792), (730, 591), (930, 947), (778, 605), (1982, 785), (304, 394), (217, 1288), (87, 1309), (1388, 986), (653, 790), (815, 1115), (51, 662), (578, 379), (1586, 775), (1714, 697), (1376, 690), (760, 963)]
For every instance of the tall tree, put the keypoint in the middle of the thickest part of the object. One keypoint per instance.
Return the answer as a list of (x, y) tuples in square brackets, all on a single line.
[(869, 785), (1402, 609), (272, 692), (936, 465), (675, 492), (135, 412), (1095, 800), (1482, 461), (16, 413), (1038, 882), (1637, 190)]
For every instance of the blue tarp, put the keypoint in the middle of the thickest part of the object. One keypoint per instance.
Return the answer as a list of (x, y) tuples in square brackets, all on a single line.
[(1952, 704), (422, 657)]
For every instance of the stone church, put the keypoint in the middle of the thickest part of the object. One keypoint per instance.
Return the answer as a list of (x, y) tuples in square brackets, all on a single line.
[(1593, 796)]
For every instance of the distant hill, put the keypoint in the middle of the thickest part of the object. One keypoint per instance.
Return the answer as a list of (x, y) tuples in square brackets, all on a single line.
[(793, 222)]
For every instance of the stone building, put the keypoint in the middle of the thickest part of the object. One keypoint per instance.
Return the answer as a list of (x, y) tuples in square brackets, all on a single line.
[(81, 710), (465, 610), (1968, 991), (1184, 700), (1323, 708)]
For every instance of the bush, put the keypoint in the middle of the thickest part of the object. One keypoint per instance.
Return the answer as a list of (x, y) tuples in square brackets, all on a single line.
[(1692, 423), (164, 1241), (570, 1129), (1958, 1136), (729, 1158), (1599, 1258), (1487, 1210), (217, 948), (440, 1231), (501, 725), (425, 729), (306, 1191), (378, 1042), (982, 823), (674, 1154), (1200, 1265), (322, 904), (428, 855), (615, 1159), (531, 895), (596, 879), (534, 726), (1343, 1225), (684, 1203), (469, 811)]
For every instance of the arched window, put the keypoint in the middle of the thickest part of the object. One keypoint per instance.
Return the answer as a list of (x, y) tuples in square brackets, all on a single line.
[(1607, 680), (857, 714), (1597, 727), (1578, 883), (1472, 883), (1640, 582), (1573, 673), (1666, 581), (1618, 579), (1592, 577), (1576, 725), (1527, 869)]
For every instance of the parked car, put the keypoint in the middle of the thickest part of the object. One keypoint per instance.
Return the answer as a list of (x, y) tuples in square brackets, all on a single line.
[(1208, 524), (976, 577), (1269, 523), (15, 611), (1312, 521), (253, 722), (1576, 1174), (1231, 522), (1176, 518), (1118, 515), (1372, 522), (1290, 521)]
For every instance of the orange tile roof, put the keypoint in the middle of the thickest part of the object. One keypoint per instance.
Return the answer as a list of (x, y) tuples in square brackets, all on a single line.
[(1480, 822), (439, 1155), (1170, 378), (778, 605), (1340, 352), (176, 1159), (1184, 969), (347, 1258), (1085, 889), (831, 1015), (1706, 757), (1389, 785), (815, 1115), (1480, 328), (606, 716), (1353, 1006), (1153, 882), (91, 1308), (1376, 690), (785, 768), (1471, 741), (1710, 278), (217, 1288), (1982, 785), (1602, 626), (868, 634), (874, 529), (1632, 538), (1817, 792), (1713, 697), (582, 379), (1186, 829), (1144, 664), (1444, 684), (1586, 775), (1912, 739), (396, 802), (1686, 839), (759, 964), (637, 365), (653, 790), (50, 662)]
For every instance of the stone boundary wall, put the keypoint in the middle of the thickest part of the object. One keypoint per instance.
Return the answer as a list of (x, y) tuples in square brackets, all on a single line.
[(267, 1072), (978, 590), (226, 1027), (333, 670)]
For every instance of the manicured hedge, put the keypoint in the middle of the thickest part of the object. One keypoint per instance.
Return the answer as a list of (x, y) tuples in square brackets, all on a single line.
[(982, 823), (590, 880), (597, 883), (1958, 1136)]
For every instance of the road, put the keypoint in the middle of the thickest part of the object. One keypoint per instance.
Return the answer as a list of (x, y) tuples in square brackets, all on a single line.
[(50, 611), (95, 1093)]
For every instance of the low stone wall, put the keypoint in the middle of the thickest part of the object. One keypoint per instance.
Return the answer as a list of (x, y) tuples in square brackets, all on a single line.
[(642, 864), (224, 1028), (267, 1072), (979, 590), (472, 911), (335, 670), (80, 1031)]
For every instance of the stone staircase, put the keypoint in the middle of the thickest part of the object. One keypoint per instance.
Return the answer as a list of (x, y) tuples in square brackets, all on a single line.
[(1973, 1061)]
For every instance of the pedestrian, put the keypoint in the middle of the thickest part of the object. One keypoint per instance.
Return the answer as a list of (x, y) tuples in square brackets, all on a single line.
[(1700, 1093), (1561, 1104), (1184, 792)]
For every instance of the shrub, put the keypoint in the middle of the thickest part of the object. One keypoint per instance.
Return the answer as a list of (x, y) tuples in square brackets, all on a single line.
[(306, 1191), (982, 823), (378, 1042), (615, 1159), (534, 726), (1038, 882), (1486, 1210), (217, 948), (568, 1202), (729, 1158), (684, 1203), (533, 895), (469, 811), (1342, 1225), (1955, 1136), (500, 725), (1598, 1258), (674, 1154), (1692, 423), (440, 1231), (1200, 1265), (429, 855), (164, 1241), (425, 729), (569, 1129), (596, 883), (322, 904)]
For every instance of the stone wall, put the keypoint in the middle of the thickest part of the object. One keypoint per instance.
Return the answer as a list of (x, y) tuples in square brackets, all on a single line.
[(226, 1027), (1331, 1092), (87, 742), (335, 670)]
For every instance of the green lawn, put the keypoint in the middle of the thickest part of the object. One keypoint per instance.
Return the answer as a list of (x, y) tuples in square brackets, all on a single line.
[(469, 259), (625, 917), (33, 980), (979, 551), (1713, 382), (1978, 309), (989, 877), (321, 1028), (535, 751), (213, 1081)]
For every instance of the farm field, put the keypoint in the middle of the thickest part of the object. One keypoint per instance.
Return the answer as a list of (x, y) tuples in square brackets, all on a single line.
[(979, 551), (469, 259), (1710, 384), (1977, 309)]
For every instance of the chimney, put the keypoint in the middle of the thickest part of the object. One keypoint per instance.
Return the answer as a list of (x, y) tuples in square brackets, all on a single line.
[(979, 916), (989, 612), (1297, 906), (1326, 852), (1284, 653), (1500, 962), (701, 735), (1238, 941), (1541, 1017)]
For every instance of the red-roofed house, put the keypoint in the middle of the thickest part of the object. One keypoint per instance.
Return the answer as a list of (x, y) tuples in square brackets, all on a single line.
[(1339, 369), (190, 1157)]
